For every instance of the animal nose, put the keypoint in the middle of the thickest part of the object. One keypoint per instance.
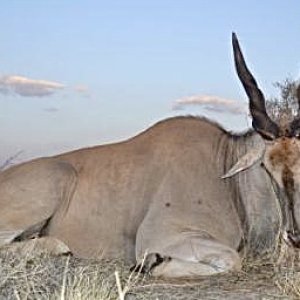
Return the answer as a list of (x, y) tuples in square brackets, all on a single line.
[(292, 238)]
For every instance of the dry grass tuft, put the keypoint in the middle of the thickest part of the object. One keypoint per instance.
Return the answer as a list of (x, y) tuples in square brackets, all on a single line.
[(65, 278), (46, 277)]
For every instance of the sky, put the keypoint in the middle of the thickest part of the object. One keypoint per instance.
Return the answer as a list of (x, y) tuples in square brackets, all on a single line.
[(80, 73)]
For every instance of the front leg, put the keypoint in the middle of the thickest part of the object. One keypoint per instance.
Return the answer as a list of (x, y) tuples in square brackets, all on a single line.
[(189, 256)]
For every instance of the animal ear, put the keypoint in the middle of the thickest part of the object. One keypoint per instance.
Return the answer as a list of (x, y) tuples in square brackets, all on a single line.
[(261, 122), (246, 161)]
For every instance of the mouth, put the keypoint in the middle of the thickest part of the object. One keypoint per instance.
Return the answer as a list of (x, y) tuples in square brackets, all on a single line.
[(292, 239)]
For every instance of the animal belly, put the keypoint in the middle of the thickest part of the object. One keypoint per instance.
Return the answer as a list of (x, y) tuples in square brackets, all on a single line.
[(100, 242)]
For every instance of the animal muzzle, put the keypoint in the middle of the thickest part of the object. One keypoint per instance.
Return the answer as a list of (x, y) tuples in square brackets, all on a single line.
[(292, 238), (291, 232)]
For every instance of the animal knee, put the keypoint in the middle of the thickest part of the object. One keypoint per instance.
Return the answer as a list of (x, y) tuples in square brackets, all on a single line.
[(53, 246), (38, 246)]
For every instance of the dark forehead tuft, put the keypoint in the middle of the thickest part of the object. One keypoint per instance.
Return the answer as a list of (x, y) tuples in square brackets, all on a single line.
[(284, 152)]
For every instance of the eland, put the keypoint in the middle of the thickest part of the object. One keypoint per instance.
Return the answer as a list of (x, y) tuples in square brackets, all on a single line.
[(184, 198)]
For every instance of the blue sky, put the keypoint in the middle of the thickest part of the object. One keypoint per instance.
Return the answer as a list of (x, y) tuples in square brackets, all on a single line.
[(80, 73)]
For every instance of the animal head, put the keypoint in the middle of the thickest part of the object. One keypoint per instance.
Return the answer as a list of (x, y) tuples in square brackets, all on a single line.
[(280, 154)]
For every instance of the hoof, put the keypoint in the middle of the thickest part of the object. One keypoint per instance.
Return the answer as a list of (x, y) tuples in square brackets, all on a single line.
[(68, 253), (151, 261)]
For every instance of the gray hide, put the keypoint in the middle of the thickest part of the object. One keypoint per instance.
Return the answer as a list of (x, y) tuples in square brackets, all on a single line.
[(258, 200)]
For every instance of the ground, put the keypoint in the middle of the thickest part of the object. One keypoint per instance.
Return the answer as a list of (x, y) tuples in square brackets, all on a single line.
[(46, 277)]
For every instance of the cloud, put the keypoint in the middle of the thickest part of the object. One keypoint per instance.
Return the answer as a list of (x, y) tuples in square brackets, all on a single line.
[(82, 90), (51, 109), (27, 87), (212, 103)]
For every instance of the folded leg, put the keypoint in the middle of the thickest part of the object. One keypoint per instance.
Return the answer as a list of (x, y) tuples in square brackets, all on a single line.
[(190, 257)]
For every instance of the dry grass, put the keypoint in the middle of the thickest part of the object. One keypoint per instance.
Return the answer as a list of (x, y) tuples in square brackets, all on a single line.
[(46, 277)]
